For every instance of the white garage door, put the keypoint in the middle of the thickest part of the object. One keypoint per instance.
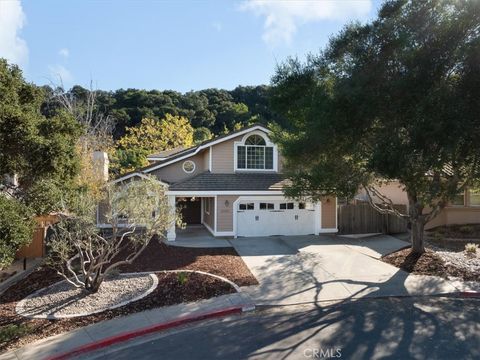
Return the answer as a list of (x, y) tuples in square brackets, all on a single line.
[(279, 217)]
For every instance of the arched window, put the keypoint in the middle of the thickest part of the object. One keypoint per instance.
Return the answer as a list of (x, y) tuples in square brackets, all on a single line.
[(255, 154), (255, 140)]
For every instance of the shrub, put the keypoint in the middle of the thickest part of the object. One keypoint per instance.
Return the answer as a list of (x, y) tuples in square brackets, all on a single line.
[(466, 229), (182, 278), (16, 229), (471, 248), (13, 331)]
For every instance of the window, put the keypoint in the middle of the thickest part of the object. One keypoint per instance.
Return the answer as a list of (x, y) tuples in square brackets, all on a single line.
[(286, 206), (247, 206), (475, 197), (207, 206), (266, 206), (255, 154), (188, 166), (459, 199), (301, 206)]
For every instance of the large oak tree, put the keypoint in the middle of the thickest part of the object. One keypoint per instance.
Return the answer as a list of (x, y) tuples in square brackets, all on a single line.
[(394, 99)]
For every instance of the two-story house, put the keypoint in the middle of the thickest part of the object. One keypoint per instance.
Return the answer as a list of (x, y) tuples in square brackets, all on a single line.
[(233, 184)]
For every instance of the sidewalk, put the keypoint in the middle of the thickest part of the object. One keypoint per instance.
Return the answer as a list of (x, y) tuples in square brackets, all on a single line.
[(142, 322)]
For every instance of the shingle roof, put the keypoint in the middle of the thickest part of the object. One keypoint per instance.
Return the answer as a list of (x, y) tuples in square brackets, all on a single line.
[(166, 153), (208, 181)]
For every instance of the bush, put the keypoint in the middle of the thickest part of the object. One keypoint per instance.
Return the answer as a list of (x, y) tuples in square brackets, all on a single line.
[(471, 248), (16, 229), (12, 331), (466, 229)]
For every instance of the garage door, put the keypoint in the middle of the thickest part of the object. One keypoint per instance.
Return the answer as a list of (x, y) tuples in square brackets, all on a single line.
[(265, 218)]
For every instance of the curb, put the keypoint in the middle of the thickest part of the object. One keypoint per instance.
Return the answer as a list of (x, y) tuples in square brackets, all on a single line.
[(129, 335), (469, 294)]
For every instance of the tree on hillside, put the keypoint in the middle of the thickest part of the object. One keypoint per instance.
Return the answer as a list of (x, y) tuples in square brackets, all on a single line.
[(149, 137), (397, 98)]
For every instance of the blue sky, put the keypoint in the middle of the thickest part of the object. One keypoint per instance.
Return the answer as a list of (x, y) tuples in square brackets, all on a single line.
[(179, 45)]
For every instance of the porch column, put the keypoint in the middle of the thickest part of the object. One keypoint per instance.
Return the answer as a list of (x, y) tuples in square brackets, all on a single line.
[(318, 217), (171, 235)]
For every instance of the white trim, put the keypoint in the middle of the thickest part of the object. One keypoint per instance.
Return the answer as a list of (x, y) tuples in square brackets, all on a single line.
[(201, 147), (221, 192), (328, 230), (210, 159), (194, 166), (139, 174), (171, 232), (215, 214)]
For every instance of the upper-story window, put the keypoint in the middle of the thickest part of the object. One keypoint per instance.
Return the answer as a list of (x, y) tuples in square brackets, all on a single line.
[(255, 154)]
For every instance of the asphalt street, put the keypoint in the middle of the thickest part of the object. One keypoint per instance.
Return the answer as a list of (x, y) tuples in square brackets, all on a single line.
[(391, 328)]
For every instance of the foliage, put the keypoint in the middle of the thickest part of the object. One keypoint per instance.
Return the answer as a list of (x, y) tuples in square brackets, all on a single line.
[(201, 134), (16, 228), (10, 332), (149, 137), (183, 277), (394, 99), (33, 147), (471, 248), (136, 211), (213, 109)]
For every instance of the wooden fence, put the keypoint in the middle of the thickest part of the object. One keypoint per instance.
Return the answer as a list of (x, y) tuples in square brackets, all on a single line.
[(37, 247), (361, 218)]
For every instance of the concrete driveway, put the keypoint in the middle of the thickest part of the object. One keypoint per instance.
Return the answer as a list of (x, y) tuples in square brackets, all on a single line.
[(307, 269)]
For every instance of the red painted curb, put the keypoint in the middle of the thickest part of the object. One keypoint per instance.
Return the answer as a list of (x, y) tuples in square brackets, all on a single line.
[(470, 294), (129, 335)]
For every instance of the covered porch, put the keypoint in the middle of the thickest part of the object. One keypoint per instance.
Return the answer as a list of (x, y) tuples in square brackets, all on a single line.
[(198, 218), (198, 236)]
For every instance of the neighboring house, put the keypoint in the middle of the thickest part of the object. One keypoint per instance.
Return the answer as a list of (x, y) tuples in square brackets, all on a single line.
[(233, 184), (464, 209)]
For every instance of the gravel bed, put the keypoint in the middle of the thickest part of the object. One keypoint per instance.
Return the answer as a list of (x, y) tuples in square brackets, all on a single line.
[(63, 300), (461, 260)]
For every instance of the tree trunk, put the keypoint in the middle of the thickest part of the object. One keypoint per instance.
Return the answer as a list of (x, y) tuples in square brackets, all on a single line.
[(417, 221), (416, 236), (92, 285)]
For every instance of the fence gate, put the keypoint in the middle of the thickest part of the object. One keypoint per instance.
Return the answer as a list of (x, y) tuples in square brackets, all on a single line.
[(364, 219)]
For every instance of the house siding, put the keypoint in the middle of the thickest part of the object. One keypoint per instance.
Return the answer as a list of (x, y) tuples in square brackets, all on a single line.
[(223, 156), (174, 172), (329, 213), (225, 213)]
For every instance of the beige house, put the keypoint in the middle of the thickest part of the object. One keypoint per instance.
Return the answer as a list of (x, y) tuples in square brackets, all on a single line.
[(232, 185), (465, 209)]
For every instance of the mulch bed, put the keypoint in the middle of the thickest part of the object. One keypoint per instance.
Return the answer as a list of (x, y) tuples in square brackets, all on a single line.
[(466, 231), (428, 263), (220, 261)]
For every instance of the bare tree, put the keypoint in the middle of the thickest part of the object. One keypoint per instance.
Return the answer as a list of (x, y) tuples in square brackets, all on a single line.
[(98, 126), (135, 211)]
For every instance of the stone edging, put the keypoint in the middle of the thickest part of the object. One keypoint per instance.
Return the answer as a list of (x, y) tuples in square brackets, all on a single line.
[(19, 307)]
